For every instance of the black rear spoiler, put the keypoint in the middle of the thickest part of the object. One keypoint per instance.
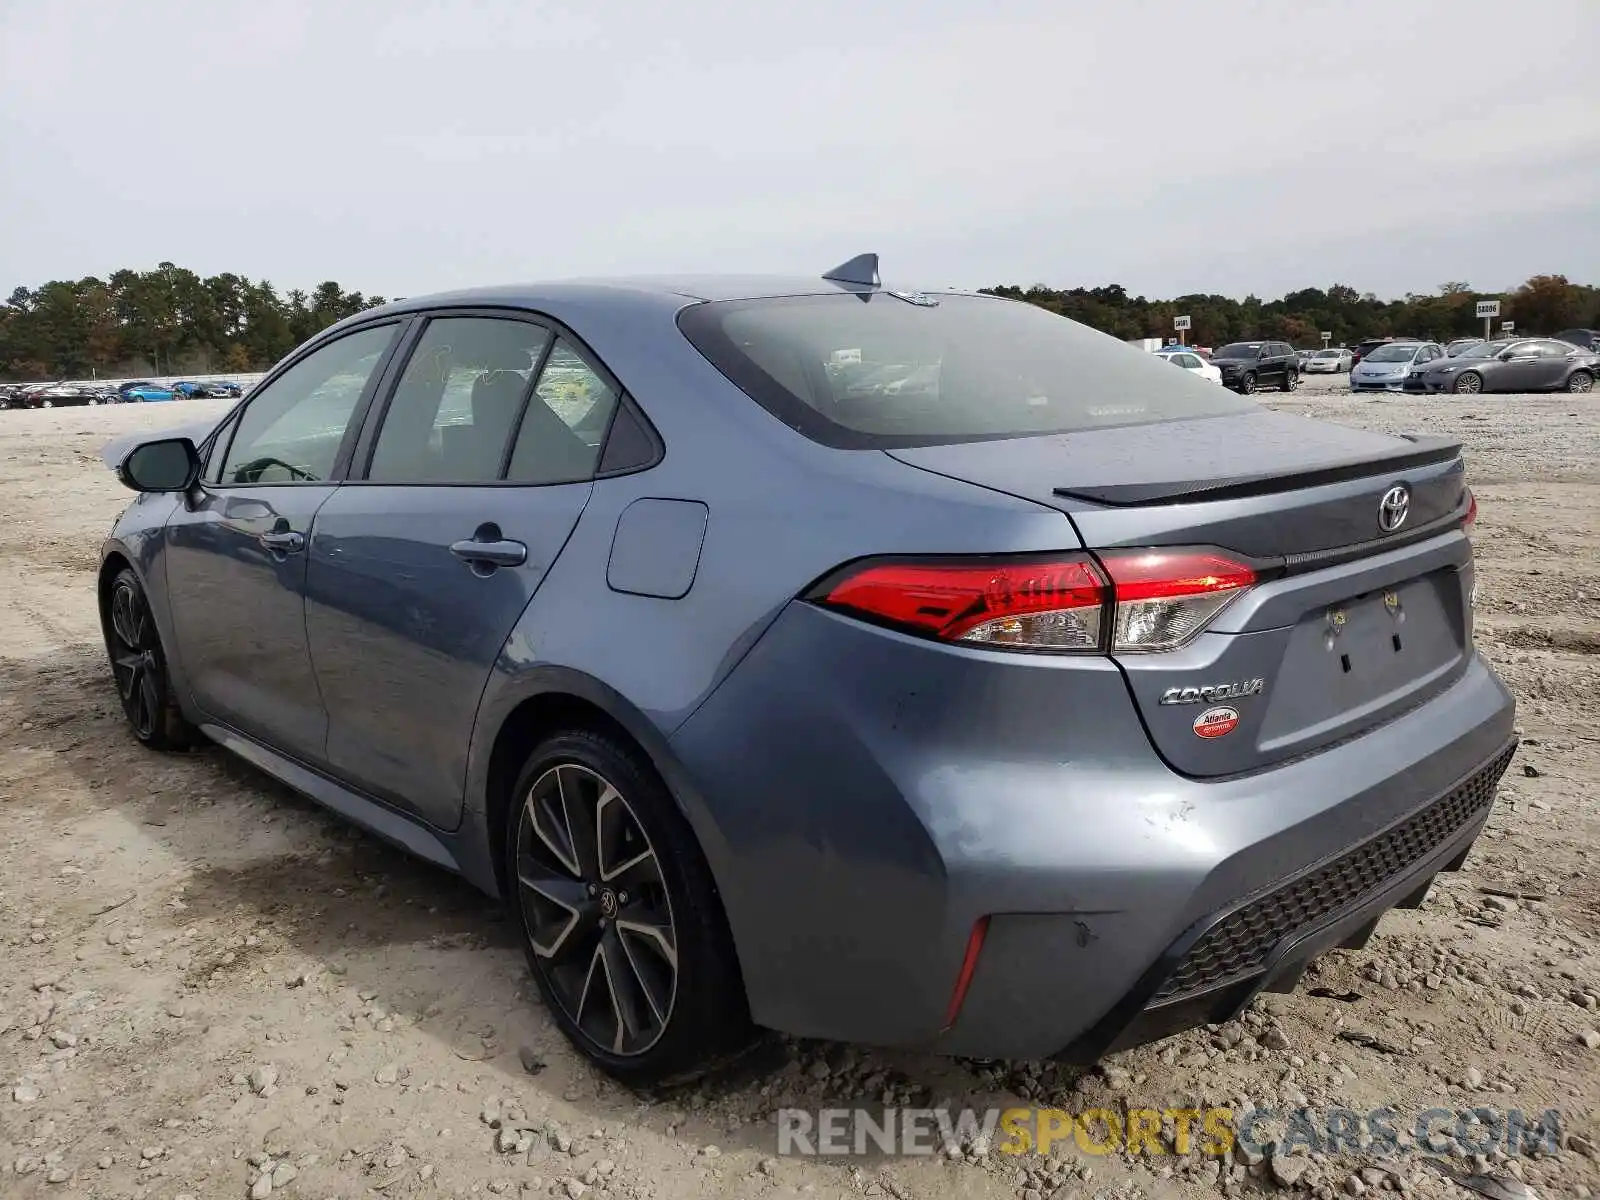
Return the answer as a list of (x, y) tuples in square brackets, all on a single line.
[(1425, 451)]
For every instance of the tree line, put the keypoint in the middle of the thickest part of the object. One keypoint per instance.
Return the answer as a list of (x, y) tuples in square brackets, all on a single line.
[(172, 321), (1544, 304)]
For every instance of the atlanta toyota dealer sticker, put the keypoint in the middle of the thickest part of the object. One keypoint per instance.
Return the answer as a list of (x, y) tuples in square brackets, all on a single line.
[(1216, 722)]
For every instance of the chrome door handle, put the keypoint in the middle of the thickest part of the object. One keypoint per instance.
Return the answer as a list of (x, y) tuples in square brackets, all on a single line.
[(283, 541), (503, 553)]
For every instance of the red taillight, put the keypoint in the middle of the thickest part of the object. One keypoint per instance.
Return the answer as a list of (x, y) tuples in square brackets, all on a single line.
[(1166, 597), (1152, 600), (1053, 604), (1471, 519)]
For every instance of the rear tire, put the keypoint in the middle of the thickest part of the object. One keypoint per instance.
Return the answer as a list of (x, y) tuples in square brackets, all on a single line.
[(139, 667), (1580, 382), (1468, 383), (620, 919)]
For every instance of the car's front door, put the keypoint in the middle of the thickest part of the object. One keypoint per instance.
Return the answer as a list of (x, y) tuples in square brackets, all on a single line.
[(1519, 367), (236, 547), (476, 472)]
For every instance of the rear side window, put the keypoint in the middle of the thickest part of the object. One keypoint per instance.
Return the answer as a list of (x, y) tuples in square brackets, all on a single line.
[(872, 370), (565, 422), (457, 402)]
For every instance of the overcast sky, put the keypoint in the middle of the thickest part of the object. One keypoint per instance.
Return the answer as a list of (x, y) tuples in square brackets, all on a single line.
[(401, 147)]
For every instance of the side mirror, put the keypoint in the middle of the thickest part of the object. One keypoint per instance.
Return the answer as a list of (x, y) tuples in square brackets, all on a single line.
[(167, 465), (1505, 356)]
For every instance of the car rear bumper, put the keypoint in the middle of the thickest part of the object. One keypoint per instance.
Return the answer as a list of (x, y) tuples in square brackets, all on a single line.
[(1214, 970), (866, 799)]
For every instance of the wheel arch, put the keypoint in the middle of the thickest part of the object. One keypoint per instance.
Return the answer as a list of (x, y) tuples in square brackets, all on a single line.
[(547, 699), (113, 561)]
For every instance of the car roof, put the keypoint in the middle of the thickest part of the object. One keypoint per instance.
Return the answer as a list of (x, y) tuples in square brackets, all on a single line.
[(616, 297), (642, 287)]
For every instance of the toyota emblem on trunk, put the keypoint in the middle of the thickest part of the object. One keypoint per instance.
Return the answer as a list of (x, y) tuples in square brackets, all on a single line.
[(1394, 506)]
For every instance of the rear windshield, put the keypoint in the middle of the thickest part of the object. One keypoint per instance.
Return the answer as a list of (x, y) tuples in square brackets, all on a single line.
[(873, 371)]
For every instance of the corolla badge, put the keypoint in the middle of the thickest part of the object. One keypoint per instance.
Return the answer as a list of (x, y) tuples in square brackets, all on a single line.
[(1213, 692), (1394, 506)]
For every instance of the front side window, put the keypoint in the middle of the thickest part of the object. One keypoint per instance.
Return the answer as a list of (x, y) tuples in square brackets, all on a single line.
[(874, 371), (457, 402), (565, 422), (291, 430)]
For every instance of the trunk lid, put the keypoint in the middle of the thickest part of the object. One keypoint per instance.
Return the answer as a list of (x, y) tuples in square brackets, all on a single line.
[(1351, 623)]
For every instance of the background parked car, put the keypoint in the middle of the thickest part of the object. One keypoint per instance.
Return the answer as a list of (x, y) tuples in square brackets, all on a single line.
[(1463, 346), (1584, 339), (1335, 360), (1246, 366), (1190, 361), (1386, 367), (207, 390), (1528, 365), (144, 392), (1366, 347), (59, 395)]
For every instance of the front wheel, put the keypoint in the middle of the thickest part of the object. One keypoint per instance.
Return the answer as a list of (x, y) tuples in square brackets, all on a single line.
[(1247, 385), (47, 404), (139, 665), (1290, 380), (1468, 383), (1580, 381), (621, 923)]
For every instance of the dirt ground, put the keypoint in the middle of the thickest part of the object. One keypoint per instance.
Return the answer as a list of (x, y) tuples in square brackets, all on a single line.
[(215, 989)]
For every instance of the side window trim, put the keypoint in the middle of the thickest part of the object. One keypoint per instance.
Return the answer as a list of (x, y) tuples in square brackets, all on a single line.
[(373, 414), (341, 461), (528, 393)]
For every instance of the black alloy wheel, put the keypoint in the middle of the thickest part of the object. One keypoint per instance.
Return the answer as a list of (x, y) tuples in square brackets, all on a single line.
[(139, 667), (622, 922), (596, 909)]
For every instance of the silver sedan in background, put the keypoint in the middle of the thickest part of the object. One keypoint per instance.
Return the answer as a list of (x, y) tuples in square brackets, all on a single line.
[(1528, 365), (1333, 361)]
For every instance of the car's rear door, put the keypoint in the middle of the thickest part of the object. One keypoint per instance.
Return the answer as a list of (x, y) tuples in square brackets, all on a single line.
[(236, 547), (468, 484), (1284, 362), (1555, 360)]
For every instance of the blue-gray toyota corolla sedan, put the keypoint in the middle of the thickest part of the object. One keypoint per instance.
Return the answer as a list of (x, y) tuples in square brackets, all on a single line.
[(905, 668)]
